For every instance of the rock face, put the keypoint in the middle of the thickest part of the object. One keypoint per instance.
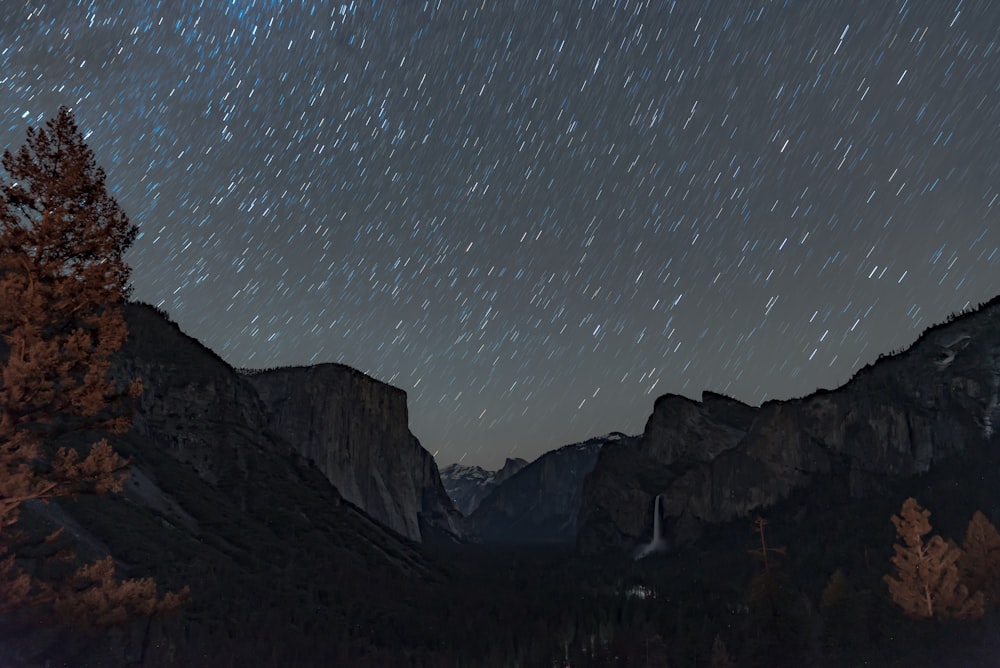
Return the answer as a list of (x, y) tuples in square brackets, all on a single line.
[(541, 501), (353, 428), (280, 565), (719, 459), (469, 485)]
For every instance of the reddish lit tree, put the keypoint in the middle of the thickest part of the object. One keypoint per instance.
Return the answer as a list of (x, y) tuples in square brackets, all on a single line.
[(762, 552), (63, 279), (980, 564), (927, 583)]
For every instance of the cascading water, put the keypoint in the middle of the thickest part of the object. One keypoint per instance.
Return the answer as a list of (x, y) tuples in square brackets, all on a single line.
[(657, 544), (657, 518)]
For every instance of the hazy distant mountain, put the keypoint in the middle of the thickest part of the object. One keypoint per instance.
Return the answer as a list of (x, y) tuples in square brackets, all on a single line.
[(540, 502), (469, 485)]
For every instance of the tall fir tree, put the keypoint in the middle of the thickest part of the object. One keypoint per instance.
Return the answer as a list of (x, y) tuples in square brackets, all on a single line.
[(780, 621), (845, 614), (927, 583), (719, 658), (980, 563), (63, 279)]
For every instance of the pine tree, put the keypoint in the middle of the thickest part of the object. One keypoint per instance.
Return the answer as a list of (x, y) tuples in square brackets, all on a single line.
[(780, 620), (927, 583), (63, 279), (837, 591), (656, 651), (844, 616), (980, 563), (720, 655)]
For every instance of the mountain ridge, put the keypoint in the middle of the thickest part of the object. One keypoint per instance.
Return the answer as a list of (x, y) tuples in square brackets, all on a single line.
[(468, 485), (540, 503), (353, 427), (718, 459)]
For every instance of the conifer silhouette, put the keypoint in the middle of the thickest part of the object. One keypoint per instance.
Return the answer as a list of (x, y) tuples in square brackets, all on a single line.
[(980, 563), (719, 657)]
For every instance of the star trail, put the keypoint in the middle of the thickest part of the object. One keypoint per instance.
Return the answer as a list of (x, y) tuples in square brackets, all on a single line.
[(536, 217)]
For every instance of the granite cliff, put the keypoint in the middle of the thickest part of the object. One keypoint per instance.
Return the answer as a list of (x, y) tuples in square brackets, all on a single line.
[(353, 428), (539, 503), (282, 567), (718, 459)]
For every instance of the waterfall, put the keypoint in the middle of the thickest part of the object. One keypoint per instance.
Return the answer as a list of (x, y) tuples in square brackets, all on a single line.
[(658, 544), (657, 531)]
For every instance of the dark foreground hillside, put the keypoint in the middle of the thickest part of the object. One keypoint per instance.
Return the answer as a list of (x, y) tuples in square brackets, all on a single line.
[(280, 590)]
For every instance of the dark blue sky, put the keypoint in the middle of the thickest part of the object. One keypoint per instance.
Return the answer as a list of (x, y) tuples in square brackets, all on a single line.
[(536, 217)]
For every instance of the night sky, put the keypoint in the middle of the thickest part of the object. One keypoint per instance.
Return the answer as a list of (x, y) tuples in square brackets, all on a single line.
[(537, 217)]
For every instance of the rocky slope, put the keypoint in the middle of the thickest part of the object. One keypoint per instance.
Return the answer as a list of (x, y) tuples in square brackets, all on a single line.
[(540, 502), (719, 459), (469, 485), (352, 427), (222, 496)]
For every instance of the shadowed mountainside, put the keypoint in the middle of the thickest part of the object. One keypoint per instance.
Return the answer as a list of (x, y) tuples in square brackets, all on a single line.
[(285, 571), (221, 499), (469, 485), (352, 427), (718, 459), (540, 502)]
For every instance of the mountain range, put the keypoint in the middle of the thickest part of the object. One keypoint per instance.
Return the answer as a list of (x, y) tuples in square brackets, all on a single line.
[(314, 529), (718, 459), (539, 503), (469, 485), (276, 496)]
